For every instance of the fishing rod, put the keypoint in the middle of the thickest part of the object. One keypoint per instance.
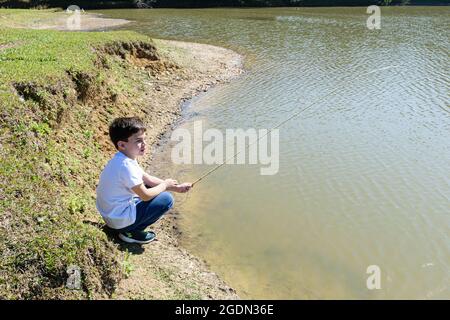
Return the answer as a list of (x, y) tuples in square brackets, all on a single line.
[(286, 120)]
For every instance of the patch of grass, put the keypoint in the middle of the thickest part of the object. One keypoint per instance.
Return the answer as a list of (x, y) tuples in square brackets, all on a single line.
[(21, 18), (58, 93), (40, 128), (127, 265)]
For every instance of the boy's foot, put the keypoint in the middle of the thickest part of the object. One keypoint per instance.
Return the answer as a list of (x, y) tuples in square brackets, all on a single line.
[(140, 237)]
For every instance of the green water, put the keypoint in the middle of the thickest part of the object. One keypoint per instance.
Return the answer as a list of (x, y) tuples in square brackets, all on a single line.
[(364, 175)]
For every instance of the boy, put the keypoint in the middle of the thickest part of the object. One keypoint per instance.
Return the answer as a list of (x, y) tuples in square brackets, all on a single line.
[(123, 198)]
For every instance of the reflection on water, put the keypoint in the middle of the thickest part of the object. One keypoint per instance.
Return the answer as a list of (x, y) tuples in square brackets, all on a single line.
[(364, 175)]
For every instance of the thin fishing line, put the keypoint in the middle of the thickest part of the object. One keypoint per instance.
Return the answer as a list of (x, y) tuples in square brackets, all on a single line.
[(286, 120)]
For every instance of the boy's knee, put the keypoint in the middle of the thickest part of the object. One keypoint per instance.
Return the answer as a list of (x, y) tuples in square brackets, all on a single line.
[(166, 200)]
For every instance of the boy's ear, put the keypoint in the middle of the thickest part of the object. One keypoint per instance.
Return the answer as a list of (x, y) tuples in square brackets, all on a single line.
[(120, 145)]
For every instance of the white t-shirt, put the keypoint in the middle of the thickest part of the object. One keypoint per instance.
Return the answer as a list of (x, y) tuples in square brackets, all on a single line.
[(116, 202)]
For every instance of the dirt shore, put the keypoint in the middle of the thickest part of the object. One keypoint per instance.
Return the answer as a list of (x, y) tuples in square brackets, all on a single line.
[(160, 82), (163, 269)]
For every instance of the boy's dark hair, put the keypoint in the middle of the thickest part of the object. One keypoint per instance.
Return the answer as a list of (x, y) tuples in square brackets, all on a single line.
[(123, 128)]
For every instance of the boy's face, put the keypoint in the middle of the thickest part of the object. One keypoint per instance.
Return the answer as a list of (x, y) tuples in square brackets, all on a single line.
[(135, 146)]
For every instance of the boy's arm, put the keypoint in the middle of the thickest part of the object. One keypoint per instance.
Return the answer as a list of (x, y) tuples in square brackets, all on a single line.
[(151, 181), (147, 194)]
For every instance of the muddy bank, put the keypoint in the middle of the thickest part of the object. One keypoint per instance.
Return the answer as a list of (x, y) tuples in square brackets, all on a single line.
[(131, 75), (163, 269)]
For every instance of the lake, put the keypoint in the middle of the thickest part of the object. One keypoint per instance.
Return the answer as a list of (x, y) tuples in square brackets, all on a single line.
[(364, 174)]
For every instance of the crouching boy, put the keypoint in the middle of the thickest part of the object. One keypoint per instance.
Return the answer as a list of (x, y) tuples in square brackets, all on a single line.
[(128, 198)]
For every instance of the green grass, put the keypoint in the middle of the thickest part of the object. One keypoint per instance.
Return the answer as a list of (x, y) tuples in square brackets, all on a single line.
[(35, 54), (25, 17), (57, 95), (127, 265)]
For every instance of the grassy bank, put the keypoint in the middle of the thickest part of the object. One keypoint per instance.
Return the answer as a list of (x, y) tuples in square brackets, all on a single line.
[(58, 92), (21, 18), (55, 19)]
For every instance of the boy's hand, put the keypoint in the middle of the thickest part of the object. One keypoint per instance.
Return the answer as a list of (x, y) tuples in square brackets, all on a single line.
[(183, 187), (170, 183)]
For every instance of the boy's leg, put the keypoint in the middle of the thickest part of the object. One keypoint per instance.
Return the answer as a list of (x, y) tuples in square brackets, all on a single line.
[(150, 211)]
